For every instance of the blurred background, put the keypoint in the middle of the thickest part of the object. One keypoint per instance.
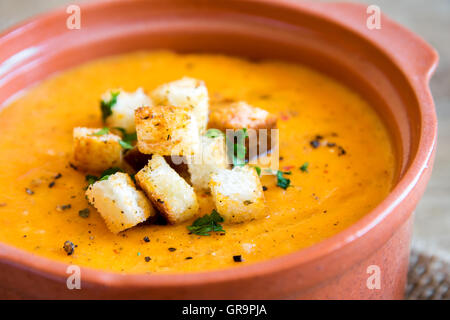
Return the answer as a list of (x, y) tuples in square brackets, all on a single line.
[(431, 20)]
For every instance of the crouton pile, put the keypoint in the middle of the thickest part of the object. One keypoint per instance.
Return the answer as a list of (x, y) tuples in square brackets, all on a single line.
[(161, 154)]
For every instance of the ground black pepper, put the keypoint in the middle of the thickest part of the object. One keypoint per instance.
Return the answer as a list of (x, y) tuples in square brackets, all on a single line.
[(69, 247)]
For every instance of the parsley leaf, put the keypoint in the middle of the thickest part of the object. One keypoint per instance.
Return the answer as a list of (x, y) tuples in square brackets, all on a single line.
[(239, 148), (106, 106), (127, 138), (214, 133), (304, 167), (258, 170), (104, 176), (91, 179), (208, 223), (283, 182), (101, 132), (125, 145)]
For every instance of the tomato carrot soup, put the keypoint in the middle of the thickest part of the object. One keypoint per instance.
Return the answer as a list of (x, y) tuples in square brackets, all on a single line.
[(338, 154)]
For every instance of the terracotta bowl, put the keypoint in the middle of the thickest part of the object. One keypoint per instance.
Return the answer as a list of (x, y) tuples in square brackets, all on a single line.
[(390, 67)]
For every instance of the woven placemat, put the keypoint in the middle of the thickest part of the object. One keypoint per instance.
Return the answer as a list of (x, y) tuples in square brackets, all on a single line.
[(428, 278)]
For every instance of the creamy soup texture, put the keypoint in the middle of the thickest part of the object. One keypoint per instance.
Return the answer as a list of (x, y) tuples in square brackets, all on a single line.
[(332, 185)]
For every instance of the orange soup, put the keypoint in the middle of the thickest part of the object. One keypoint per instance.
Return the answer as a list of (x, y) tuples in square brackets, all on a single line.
[(338, 151)]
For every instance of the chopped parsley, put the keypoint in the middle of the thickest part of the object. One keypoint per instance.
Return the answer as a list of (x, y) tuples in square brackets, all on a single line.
[(104, 176), (304, 167), (106, 106), (208, 223), (283, 182), (101, 132), (239, 150), (125, 145), (214, 133), (258, 170), (91, 179), (127, 138)]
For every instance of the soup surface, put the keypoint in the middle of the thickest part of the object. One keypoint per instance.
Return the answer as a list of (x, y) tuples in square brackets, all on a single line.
[(342, 179)]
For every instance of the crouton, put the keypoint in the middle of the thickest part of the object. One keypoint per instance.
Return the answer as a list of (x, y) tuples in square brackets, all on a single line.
[(239, 115), (119, 203), (212, 156), (186, 92), (167, 130), (119, 112), (170, 193), (238, 194), (96, 150)]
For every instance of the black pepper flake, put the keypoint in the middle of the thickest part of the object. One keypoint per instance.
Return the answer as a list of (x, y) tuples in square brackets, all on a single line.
[(59, 175), (84, 213), (314, 143), (29, 191), (264, 188), (147, 259), (146, 239), (238, 258), (73, 166), (159, 201), (63, 207), (51, 184), (341, 151), (319, 137), (281, 158), (331, 144), (188, 258), (69, 247), (172, 249)]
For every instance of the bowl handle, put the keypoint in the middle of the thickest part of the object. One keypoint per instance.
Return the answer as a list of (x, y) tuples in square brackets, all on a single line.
[(417, 58)]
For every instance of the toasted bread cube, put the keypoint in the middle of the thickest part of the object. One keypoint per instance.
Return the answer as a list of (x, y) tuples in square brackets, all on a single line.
[(186, 92), (170, 193), (122, 115), (238, 194), (119, 203), (93, 152), (167, 130), (211, 157), (240, 115)]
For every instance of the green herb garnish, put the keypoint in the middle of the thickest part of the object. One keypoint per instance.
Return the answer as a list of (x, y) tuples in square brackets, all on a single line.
[(125, 145), (91, 179), (127, 138), (214, 133), (283, 182), (239, 148), (258, 170), (304, 167), (206, 224), (106, 106), (104, 176), (101, 132)]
